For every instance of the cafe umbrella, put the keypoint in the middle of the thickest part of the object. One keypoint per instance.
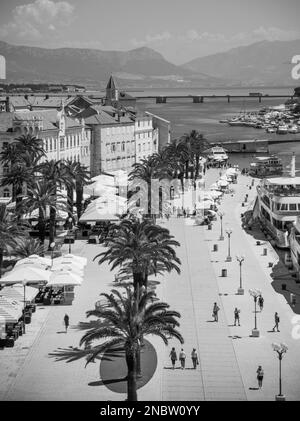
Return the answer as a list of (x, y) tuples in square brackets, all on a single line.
[(25, 275)]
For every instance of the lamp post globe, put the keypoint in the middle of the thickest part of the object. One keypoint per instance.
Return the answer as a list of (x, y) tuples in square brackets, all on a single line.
[(229, 232), (221, 214), (240, 260), (280, 349), (255, 293)]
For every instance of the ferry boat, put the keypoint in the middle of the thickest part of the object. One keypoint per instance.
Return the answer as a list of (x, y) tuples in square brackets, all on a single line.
[(265, 166), (217, 154), (278, 205)]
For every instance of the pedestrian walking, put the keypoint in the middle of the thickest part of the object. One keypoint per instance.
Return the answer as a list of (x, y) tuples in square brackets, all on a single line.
[(237, 316), (66, 322), (277, 320), (195, 360), (216, 309), (260, 376), (173, 356), (260, 302), (182, 357)]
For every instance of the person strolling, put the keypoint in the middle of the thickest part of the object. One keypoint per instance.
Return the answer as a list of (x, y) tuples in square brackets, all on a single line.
[(195, 360), (173, 356)]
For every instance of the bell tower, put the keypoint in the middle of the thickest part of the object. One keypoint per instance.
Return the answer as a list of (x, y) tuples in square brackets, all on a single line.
[(112, 93)]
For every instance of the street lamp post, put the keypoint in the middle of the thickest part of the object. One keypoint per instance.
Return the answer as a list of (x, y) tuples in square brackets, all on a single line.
[(255, 293), (229, 232), (280, 349), (221, 214), (240, 259), (24, 282), (70, 220), (52, 245)]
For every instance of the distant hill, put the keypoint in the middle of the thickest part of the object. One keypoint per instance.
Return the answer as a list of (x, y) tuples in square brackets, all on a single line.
[(85, 66), (265, 63)]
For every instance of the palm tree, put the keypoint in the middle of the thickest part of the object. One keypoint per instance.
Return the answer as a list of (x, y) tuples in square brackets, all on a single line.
[(32, 145), (10, 232), (146, 171), (41, 195), (142, 247), (19, 176), (70, 168), (82, 178), (177, 154), (25, 247), (125, 319), (195, 144), (54, 172)]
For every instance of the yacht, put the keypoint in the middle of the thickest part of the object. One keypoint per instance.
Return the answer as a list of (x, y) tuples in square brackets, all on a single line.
[(217, 154), (282, 129), (265, 166), (278, 205)]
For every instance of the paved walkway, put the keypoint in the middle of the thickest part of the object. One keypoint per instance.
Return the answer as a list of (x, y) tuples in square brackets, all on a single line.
[(192, 294)]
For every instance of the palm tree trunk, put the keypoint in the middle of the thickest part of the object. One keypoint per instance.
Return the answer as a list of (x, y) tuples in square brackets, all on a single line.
[(52, 226), (79, 198), (131, 375), (1, 262), (42, 227), (187, 169), (138, 362), (70, 192), (197, 167)]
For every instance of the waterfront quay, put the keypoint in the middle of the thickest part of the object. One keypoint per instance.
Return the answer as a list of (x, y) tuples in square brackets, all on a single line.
[(228, 355)]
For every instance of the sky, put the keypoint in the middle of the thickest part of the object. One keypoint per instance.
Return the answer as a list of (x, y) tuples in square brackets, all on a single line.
[(180, 30)]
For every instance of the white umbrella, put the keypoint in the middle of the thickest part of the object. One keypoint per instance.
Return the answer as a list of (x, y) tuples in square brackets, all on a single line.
[(223, 183), (215, 194), (70, 268), (10, 310), (34, 259), (15, 292), (63, 278), (61, 262), (82, 260), (25, 274)]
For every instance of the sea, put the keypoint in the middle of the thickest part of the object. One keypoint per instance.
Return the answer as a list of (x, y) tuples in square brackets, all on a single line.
[(185, 116)]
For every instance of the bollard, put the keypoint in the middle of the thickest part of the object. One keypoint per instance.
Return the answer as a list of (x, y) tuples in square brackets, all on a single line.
[(215, 247), (265, 252), (224, 273), (209, 226), (243, 204)]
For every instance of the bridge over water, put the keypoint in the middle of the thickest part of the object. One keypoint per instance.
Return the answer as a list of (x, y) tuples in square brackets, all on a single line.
[(199, 99)]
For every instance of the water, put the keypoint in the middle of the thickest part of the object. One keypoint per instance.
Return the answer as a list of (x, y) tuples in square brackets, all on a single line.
[(185, 116)]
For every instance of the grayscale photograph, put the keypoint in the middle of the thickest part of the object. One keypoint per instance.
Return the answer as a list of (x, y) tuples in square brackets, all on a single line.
[(149, 203)]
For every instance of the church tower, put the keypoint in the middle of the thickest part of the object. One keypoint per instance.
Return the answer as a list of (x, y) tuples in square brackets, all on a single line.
[(112, 93)]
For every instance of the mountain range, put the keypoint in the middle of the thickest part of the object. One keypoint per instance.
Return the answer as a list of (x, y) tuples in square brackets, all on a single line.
[(264, 63), (261, 63)]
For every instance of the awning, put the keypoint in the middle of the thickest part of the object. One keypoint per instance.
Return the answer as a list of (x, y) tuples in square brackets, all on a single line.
[(16, 292)]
